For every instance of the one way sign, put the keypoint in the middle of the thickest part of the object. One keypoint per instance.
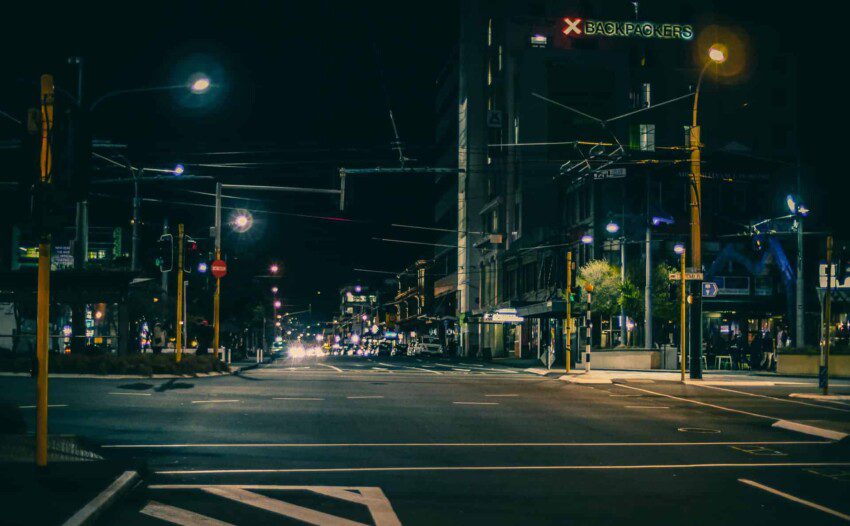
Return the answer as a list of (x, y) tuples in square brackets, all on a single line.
[(709, 289)]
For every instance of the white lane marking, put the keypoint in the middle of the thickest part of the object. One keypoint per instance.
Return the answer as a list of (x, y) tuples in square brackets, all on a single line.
[(503, 370), (213, 401), (476, 444), (337, 369), (698, 402), (821, 397), (798, 500), (798, 402), (810, 430), (280, 507), (296, 398), (130, 394), (421, 369), (647, 407), (501, 395), (624, 395), (476, 403), (48, 406), (179, 516), (363, 397), (88, 512), (572, 467), (459, 369)]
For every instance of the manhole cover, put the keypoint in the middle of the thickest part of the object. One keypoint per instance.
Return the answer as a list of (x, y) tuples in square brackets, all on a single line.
[(701, 430)]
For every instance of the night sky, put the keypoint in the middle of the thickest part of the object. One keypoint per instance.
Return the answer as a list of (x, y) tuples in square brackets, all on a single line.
[(300, 90)]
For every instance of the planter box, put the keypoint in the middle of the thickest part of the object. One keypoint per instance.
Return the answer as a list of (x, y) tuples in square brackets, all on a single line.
[(623, 360), (807, 365)]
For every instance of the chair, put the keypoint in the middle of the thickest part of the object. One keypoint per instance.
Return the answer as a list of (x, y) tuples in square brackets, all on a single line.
[(721, 360)]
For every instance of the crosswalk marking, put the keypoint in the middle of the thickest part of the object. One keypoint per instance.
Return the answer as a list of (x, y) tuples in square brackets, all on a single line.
[(179, 516), (281, 507)]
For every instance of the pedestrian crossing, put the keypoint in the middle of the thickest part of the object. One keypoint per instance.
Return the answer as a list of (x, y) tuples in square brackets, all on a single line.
[(365, 366)]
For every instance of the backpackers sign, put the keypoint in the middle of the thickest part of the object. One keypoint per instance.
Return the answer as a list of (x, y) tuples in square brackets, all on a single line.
[(577, 27)]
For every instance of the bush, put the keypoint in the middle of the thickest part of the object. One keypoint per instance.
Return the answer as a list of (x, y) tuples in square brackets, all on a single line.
[(99, 363)]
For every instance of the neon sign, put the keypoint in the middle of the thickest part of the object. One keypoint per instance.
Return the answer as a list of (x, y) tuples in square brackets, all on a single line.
[(576, 27)]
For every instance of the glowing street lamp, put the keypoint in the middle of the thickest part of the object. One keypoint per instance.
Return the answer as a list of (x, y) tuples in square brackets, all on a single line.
[(612, 227), (587, 239), (277, 304), (679, 248), (241, 221), (200, 83), (274, 290), (718, 53), (179, 169), (274, 268), (202, 267)]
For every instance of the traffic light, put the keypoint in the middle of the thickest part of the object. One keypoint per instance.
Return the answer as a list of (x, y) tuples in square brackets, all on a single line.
[(191, 254), (575, 294), (165, 252)]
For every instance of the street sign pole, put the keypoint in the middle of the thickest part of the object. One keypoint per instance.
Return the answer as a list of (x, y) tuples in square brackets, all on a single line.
[(568, 319), (589, 324), (217, 296), (178, 343), (823, 370), (683, 314)]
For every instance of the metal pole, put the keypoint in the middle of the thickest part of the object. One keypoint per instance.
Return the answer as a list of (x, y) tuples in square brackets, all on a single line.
[(178, 341), (568, 318), (186, 314), (682, 333), (165, 272), (647, 292), (823, 370), (624, 333), (217, 297), (696, 234), (137, 203), (589, 329), (43, 297), (800, 332)]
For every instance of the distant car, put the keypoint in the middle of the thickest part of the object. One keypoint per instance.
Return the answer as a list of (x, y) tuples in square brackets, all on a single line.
[(428, 345), (385, 348)]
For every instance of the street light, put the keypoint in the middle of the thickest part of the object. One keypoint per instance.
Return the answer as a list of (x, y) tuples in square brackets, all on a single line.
[(277, 304), (202, 267), (717, 53), (612, 227), (274, 268), (587, 239), (200, 83), (274, 290), (179, 169), (679, 249), (241, 221)]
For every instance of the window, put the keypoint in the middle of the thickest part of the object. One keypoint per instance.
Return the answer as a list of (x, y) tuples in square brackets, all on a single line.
[(646, 95), (500, 58), (647, 137), (489, 32), (687, 129)]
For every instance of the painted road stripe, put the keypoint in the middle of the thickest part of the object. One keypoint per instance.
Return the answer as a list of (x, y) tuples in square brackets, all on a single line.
[(784, 424), (213, 401), (798, 402), (810, 430), (179, 516), (280, 507), (130, 394), (363, 397), (476, 403), (477, 444), (647, 407), (792, 498), (421, 369), (501, 395), (337, 369), (623, 395), (296, 398), (592, 467), (48, 405)]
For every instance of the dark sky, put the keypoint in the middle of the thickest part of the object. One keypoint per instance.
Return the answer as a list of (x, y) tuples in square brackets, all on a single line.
[(304, 88)]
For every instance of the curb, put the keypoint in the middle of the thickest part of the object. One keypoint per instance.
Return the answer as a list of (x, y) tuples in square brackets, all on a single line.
[(88, 513), (810, 430), (120, 376)]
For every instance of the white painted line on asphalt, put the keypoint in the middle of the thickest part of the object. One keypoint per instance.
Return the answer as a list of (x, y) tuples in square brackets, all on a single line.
[(280, 507), (363, 397), (179, 516), (337, 369), (810, 430), (473, 444), (798, 402), (698, 402), (572, 467), (837, 399), (798, 500), (421, 369), (459, 369), (130, 394), (476, 403), (296, 398), (48, 406), (624, 395), (501, 395), (90, 511), (213, 401), (647, 407)]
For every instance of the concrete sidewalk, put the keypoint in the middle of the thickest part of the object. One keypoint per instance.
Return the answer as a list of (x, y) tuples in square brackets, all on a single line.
[(739, 378)]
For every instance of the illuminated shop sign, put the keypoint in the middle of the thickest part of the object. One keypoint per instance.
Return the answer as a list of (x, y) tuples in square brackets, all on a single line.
[(577, 27)]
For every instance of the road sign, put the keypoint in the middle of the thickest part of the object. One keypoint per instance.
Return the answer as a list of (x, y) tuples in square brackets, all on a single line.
[(219, 268), (709, 289), (689, 276)]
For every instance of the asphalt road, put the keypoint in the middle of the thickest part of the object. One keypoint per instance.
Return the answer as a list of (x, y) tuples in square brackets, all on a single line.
[(347, 440)]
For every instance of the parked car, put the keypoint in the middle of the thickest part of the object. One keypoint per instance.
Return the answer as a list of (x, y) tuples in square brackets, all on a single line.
[(427, 345)]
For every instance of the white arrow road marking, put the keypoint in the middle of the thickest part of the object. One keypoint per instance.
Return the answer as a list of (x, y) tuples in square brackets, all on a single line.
[(337, 369), (280, 507), (179, 516), (792, 498)]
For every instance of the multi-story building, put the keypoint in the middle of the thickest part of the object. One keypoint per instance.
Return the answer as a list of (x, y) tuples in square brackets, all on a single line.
[(540, 167)]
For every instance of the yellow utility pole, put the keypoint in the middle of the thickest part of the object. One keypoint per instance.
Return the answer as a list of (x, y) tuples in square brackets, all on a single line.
[(569, 319), (43, 313), (683, 313), (178, 344)]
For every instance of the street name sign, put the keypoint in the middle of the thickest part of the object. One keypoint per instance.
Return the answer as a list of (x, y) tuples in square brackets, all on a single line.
[(689, 276)]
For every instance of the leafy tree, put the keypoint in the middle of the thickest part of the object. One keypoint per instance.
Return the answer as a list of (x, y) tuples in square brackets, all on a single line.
[(605, 279), (664, 307)]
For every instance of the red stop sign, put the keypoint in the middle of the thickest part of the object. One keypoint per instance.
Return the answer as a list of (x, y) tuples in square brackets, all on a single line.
[(219, 268)]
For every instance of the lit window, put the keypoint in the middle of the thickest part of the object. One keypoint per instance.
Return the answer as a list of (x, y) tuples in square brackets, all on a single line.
[(500, 58), (647, 137), (489, 73), (646, 95), (490, 32)]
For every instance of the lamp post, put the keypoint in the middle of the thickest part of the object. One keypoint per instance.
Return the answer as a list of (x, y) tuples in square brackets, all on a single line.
[(799, 212), (680, 249), (716, 55), (613, 228)]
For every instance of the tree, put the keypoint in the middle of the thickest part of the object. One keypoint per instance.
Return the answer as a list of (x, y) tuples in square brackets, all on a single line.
[(664, 306), (605, 279)]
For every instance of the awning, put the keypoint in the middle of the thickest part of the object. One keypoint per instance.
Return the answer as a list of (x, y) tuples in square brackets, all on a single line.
[(544, 309)]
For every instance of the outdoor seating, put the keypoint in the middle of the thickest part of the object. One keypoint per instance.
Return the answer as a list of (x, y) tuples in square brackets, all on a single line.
[(721, 361)]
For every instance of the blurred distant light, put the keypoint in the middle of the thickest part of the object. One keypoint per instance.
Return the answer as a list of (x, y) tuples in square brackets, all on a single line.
[(199, 83), (587, 239), (612, 227), (179, 169), (274, 268), (202, 267), (241, 221), (274, 290), (803, 211), (277, 304), (717, 53), (358, 288), (364, 317), (662, 220), (792, 205), (679, 248), (355, 338)]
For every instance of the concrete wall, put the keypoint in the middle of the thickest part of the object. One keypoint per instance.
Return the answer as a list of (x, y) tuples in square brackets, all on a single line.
[(807, 365), (625, 359)]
